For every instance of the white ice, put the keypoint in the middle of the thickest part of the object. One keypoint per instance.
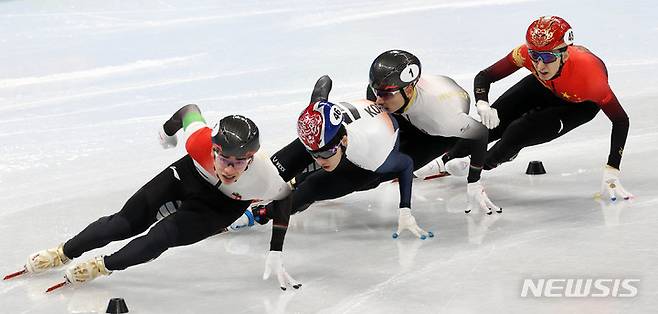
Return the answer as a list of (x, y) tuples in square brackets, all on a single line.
[(84, 86)]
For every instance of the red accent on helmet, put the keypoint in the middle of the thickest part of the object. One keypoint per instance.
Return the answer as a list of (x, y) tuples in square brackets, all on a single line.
[(309, 127), (548, 32)]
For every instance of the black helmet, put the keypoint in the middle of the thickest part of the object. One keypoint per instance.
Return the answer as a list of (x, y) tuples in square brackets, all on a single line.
[(394, 70), (235, 136)]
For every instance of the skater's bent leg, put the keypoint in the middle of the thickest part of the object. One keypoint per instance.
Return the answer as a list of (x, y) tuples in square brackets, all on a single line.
[(98, 234), (511, 105), (138, 213), (147, 247), (191, 224), (538, 127), (532, 129)]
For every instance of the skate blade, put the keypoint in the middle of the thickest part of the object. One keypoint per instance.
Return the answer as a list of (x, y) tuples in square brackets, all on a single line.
[(436, 176), (16, 274), (57, 286)]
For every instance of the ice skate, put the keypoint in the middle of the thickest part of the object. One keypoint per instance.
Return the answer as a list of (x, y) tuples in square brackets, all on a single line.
[(41, 261)]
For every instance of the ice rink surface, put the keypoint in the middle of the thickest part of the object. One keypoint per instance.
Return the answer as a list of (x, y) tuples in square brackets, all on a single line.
[(84, 85)]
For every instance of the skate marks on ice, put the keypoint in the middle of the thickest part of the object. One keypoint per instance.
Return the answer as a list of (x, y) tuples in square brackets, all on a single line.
[(388, 9), (95, 73), (112, 21), (129, 88)]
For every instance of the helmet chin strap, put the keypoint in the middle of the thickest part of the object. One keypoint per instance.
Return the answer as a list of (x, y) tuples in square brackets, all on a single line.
[(559, 70), (406, 101)]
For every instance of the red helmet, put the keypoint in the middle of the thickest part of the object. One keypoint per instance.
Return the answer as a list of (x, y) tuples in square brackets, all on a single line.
[(548, 32)]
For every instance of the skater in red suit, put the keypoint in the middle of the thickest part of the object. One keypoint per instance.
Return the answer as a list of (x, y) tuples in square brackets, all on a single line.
[(567, 87)]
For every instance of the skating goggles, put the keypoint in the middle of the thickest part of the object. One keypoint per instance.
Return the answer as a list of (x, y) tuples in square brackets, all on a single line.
[(325, 154), (384, 94), (546, 56), (237, 163)]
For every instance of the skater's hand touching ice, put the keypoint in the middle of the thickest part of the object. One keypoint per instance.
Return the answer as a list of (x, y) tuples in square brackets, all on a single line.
[(406, 221), (477, 197), (274, 263), (611, 185)]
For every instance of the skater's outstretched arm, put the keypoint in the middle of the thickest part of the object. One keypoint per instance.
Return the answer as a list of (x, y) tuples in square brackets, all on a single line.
[(279, 212), (402, 165)]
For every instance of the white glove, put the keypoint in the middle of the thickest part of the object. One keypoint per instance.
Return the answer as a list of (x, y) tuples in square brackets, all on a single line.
[(407, 221), (489, 115), (611, 185), (274, 262), (478, 197), (165, 140)]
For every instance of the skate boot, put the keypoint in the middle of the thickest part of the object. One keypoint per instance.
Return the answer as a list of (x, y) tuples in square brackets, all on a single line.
[(458, 167), (434, 169), (87, 271), (46, 259)]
